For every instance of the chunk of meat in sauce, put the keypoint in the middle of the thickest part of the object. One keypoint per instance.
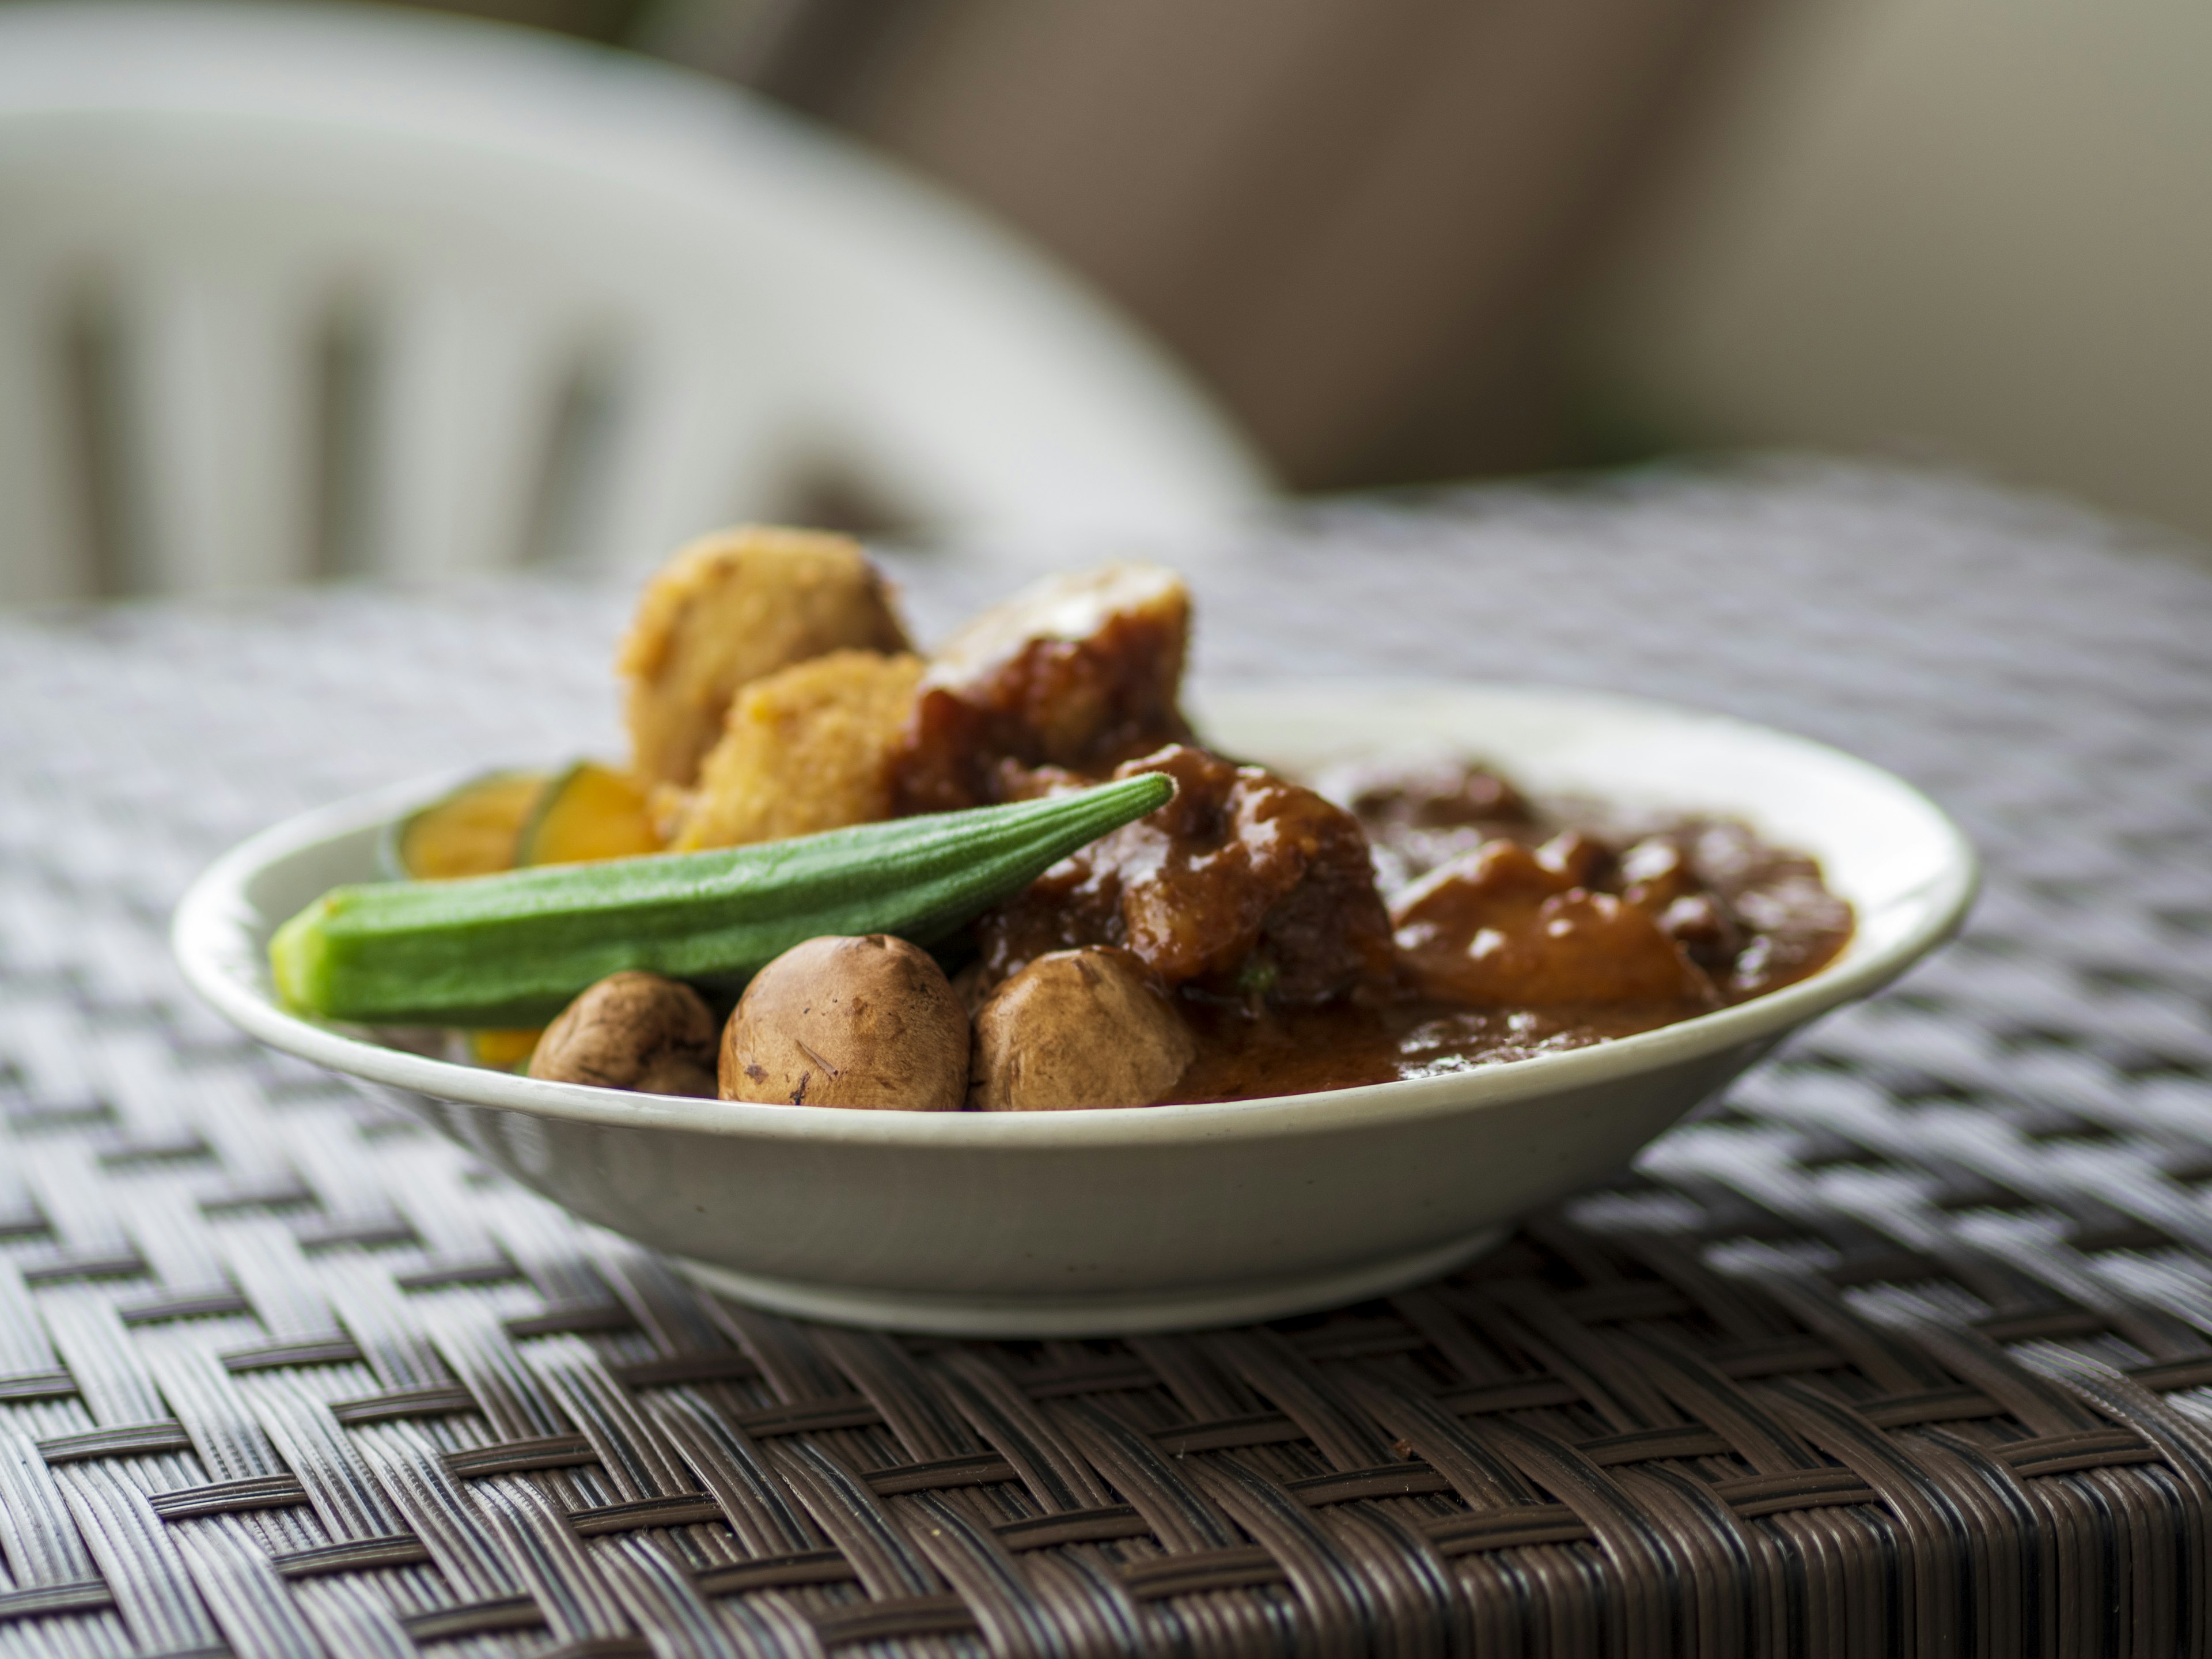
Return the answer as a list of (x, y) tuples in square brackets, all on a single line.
[(1655, 876), (1795, 925), (1510, 926), (1243, 884), (1757, 917), (1080, 672), (1754, 917), (1419, 815), (1439, 795)]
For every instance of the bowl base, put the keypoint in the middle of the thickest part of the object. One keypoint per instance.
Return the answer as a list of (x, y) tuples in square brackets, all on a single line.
[(1242, 1302)]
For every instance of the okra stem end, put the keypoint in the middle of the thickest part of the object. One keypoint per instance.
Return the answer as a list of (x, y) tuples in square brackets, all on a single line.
[(298, 956)]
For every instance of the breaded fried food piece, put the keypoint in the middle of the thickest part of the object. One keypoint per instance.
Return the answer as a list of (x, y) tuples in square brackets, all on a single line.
[(804, 750), (726, 611), (1080, 671)]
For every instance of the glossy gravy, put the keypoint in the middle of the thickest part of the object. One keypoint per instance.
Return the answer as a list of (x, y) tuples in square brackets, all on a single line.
[(1747, 918), (1245, 1056)]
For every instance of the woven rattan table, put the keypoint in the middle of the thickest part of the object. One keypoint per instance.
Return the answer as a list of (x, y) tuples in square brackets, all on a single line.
[(1906, 1348)]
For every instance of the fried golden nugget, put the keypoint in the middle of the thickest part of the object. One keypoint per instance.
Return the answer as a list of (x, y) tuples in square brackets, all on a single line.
[(727, 610), (806, 750)]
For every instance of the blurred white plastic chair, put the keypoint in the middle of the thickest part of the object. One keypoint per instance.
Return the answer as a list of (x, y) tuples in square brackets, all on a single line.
[(438, 294)]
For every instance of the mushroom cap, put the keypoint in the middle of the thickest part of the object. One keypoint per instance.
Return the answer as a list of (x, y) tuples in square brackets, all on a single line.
[(864, 1022), (632, 1031), (1090, 1027)]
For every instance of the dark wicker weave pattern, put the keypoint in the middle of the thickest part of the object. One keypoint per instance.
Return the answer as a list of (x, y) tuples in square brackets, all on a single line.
[(1908, 1348)]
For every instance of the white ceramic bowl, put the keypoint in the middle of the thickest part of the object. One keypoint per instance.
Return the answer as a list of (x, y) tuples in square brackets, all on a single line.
[(1147, 1219)]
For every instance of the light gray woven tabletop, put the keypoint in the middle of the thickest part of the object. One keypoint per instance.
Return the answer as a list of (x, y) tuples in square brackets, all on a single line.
[(203, 1245)]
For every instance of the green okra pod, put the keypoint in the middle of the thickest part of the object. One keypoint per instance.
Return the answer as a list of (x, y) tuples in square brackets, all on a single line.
[(514, 949)]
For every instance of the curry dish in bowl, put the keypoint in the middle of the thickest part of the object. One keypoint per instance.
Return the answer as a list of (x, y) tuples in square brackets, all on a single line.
[(1013, 876), (1337, 977)]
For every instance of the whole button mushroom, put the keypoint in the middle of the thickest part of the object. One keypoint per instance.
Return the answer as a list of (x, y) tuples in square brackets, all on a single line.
[(869, 1022), (632, 1031), (1078, 1028)]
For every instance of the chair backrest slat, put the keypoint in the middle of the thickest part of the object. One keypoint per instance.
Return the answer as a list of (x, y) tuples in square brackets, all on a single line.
[(219, 441), (463, 391), (696, 439), (46, 548)]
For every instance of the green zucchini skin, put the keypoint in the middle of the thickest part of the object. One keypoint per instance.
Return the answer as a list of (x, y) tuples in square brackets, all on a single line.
[(514, 948)]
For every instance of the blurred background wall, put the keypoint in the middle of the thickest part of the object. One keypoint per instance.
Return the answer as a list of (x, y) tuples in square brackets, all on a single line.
[(1979, 228), (1365, 225), (1428, 238), (1419, 240)]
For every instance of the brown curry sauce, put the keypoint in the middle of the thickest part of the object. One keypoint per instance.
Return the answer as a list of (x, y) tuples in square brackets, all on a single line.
[(1744, 919), (1393, 924), (1599, 930)]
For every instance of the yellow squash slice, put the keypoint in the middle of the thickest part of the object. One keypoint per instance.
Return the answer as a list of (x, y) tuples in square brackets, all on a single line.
[(504, 1049), (590, 813), (470, 832)]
